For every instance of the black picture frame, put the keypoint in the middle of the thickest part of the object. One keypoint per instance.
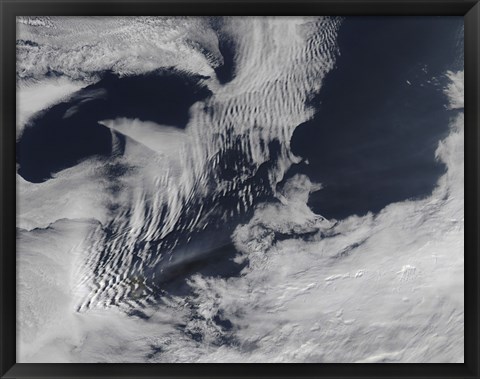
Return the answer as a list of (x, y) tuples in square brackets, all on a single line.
[(9, 9)]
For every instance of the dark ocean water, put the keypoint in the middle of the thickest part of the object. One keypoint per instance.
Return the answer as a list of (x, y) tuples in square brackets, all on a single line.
[(69, 132), (374, 136), (371, 142), (226, 72)]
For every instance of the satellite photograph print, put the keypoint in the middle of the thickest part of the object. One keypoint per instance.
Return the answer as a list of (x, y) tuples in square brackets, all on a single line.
[(240, 189)]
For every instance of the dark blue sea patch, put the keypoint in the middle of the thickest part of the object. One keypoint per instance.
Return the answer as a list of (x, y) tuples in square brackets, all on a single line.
[(226, 72), (69, 132), (226, 45), (380, 114)]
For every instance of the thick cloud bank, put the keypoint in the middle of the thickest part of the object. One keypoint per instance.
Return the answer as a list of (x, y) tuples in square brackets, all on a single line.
[(385, 287)]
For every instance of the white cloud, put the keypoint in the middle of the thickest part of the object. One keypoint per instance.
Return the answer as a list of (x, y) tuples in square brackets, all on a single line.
[(81, 47), (36, 96), (379, 288), (455, 89), (165, 140), (49, 329), (280, 63), (385, 287), (79, 192)]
